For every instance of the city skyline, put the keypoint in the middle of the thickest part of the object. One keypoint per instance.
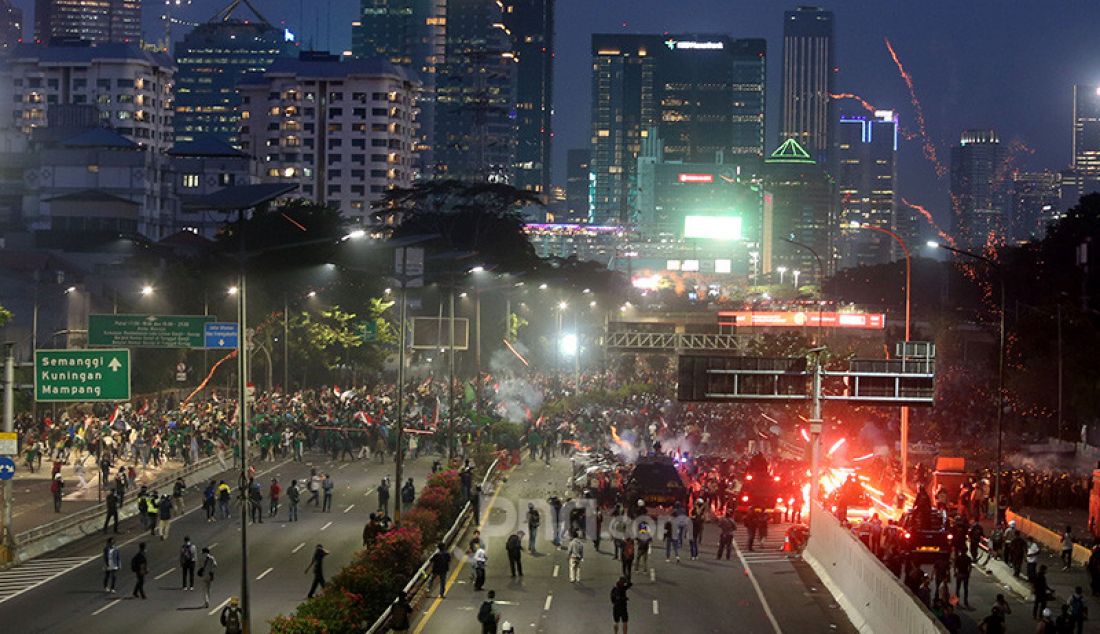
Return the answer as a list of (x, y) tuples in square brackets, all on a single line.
[(936, 46)]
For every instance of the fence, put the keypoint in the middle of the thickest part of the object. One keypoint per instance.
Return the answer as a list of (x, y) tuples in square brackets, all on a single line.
[(421, 577), (872, 597)]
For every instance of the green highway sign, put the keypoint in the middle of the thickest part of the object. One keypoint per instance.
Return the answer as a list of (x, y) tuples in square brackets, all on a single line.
[(370, 331), (148, 331), (81, 375)]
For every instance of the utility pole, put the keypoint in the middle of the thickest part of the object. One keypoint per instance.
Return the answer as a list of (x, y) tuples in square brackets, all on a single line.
[(1061, 432), (452, 448), (815, 429), (242, 396), (7, 537), (402, 280), (286, 346)]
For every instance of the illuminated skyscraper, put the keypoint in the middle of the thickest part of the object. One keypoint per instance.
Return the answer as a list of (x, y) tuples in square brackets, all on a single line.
[(531, 26), (978, 192), (809, 65), (211, 59), (704, 94), (577, 183), (1036, 203), (96, 21), (798, 205), (866, 175)]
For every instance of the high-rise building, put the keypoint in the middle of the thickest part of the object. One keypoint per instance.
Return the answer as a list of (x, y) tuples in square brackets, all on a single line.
[(978, 192), (131, 88), (704, 94), (475, 125), (11, 26), (211, 59), (410, 33), (344, 131), (578, 177), (531, 26), (1083, 177), (1036, 203), (95, 21), (798, 205), (866, 174), (809, 68)]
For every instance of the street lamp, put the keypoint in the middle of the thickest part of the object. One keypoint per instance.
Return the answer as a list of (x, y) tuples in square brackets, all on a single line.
[(232, 290), (796, 273), (908, 278), (782, 270), (146, 290), (932, 244)]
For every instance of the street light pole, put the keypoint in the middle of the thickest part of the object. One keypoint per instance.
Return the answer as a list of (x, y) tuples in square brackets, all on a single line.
[(242, 442), (1000, 371), (398, 461), (452, 449), (7, 536), (286, 346)]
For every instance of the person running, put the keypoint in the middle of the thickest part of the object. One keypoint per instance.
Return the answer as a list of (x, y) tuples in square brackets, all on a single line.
[(232, 618), (139, 565), (164, 514), (273, 492), (576, 556), (326, 487), (384, 496), (619, 601), (294, 495), (317, 564), (441, 565), (206, 573), (188, 555), (112, 562), (533, 521)]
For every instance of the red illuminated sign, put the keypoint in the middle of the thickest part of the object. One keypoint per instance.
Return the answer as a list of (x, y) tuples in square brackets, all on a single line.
[(802, 319), (696, 178)]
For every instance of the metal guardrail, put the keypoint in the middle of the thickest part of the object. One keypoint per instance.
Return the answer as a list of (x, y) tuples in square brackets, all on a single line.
[(100, 509), (422, 576)]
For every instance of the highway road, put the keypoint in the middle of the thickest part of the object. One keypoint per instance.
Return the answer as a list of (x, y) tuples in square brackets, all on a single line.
[(63, 591), (755, 592)]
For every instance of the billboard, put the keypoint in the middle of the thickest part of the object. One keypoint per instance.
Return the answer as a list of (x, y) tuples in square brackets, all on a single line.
[(801, 319), (684, 177), (430, 333), (713, 227)]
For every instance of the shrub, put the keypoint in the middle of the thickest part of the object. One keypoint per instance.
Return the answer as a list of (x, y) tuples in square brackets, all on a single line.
[(448, 480), (426, 521), (441, 501), (298, 625)]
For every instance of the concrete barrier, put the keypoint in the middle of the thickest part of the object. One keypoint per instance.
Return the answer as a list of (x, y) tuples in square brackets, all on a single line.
[(873, 598), (1046, 537)]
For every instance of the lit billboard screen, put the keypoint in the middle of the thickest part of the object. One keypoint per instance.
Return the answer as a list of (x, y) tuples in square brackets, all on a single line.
[(684, 177), (713, 227), (801, 319)]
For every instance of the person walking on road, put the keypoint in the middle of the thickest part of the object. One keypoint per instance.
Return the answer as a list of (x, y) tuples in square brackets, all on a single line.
[(576, 556), (1078, 610), (963, 566), (645, 542), (177, 494), (223, 499), (318, 566), (618, 604), (514, 548), (112, 512), (726, 528), (408, 494), (1067, 548), (206, 573), (139, 565), (400, 613), (293, 494), (1032, 558), (57, 488), (1041, 590), (487, 616), (533, 521), (384, 496), (188, 555), (112, 561), (164, 513), (152, 511), (209, 500), (481, 559), (314, 487), (441, 565), (273, 492), (626, 556), (326, 487), (232, 618)]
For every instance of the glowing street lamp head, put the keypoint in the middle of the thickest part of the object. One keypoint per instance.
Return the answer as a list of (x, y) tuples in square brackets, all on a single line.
[(146, 290), (568, 344), (932, 244), (542, 287), (781, 269), (478, 269), (71, 289), (311, 294), (232, 290), (563, 305), (357, 234)]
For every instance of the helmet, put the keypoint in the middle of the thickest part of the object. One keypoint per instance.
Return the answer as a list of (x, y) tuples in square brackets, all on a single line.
[(1047, 612)]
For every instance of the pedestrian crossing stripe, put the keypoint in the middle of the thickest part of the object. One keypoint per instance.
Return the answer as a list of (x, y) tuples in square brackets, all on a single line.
[(16, 581)]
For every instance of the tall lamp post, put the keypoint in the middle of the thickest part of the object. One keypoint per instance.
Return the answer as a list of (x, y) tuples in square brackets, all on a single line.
[(908, 279), (1000, 370)]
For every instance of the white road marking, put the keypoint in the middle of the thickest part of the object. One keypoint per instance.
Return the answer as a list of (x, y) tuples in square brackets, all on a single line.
[(219, 607), (343, 466), (298, 547), (549, 600), (557, 569), (326, 526), (211, 546), (32, 574), (756, 586), (107, 607), (163, 574), (264, 574), (653, 574), (656, 608), (349, 508)]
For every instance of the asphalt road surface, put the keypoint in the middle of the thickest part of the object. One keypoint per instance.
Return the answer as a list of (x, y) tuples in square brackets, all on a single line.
[(63, 591), (755, 592)]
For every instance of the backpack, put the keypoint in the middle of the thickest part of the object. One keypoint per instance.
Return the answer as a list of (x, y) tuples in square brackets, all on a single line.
[(232, 619), (187, 553), (617, 595), (485, 614), (1077, 607)]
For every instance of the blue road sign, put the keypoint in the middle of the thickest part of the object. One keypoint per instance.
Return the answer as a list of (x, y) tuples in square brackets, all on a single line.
[(221, 334), (7, 468)]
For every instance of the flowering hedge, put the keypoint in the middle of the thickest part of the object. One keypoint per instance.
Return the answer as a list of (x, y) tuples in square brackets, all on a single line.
[(363, 589)]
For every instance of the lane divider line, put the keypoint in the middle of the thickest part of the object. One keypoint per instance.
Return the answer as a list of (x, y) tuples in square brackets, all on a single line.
[(653, 575), (557, 569), (163, 574), (219, 607), (107, 607), (326, 526), (656, 608), (298, 547), (349, 508), (264, 574), (549, 600), (756, 586)]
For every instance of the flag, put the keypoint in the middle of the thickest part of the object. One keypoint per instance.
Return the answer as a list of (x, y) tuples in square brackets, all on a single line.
[(435, 418), (469, 395), (363, 417)]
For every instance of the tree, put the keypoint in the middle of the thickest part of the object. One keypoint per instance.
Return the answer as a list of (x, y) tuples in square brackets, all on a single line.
[(5, 315)]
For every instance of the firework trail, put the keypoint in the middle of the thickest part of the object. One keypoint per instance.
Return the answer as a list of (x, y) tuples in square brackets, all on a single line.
[(932, 221), (1015, 149), (847, 95), (929, 146)]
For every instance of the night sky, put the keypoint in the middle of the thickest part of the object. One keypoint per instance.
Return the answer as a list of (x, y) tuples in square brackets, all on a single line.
[(1004, 64)]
